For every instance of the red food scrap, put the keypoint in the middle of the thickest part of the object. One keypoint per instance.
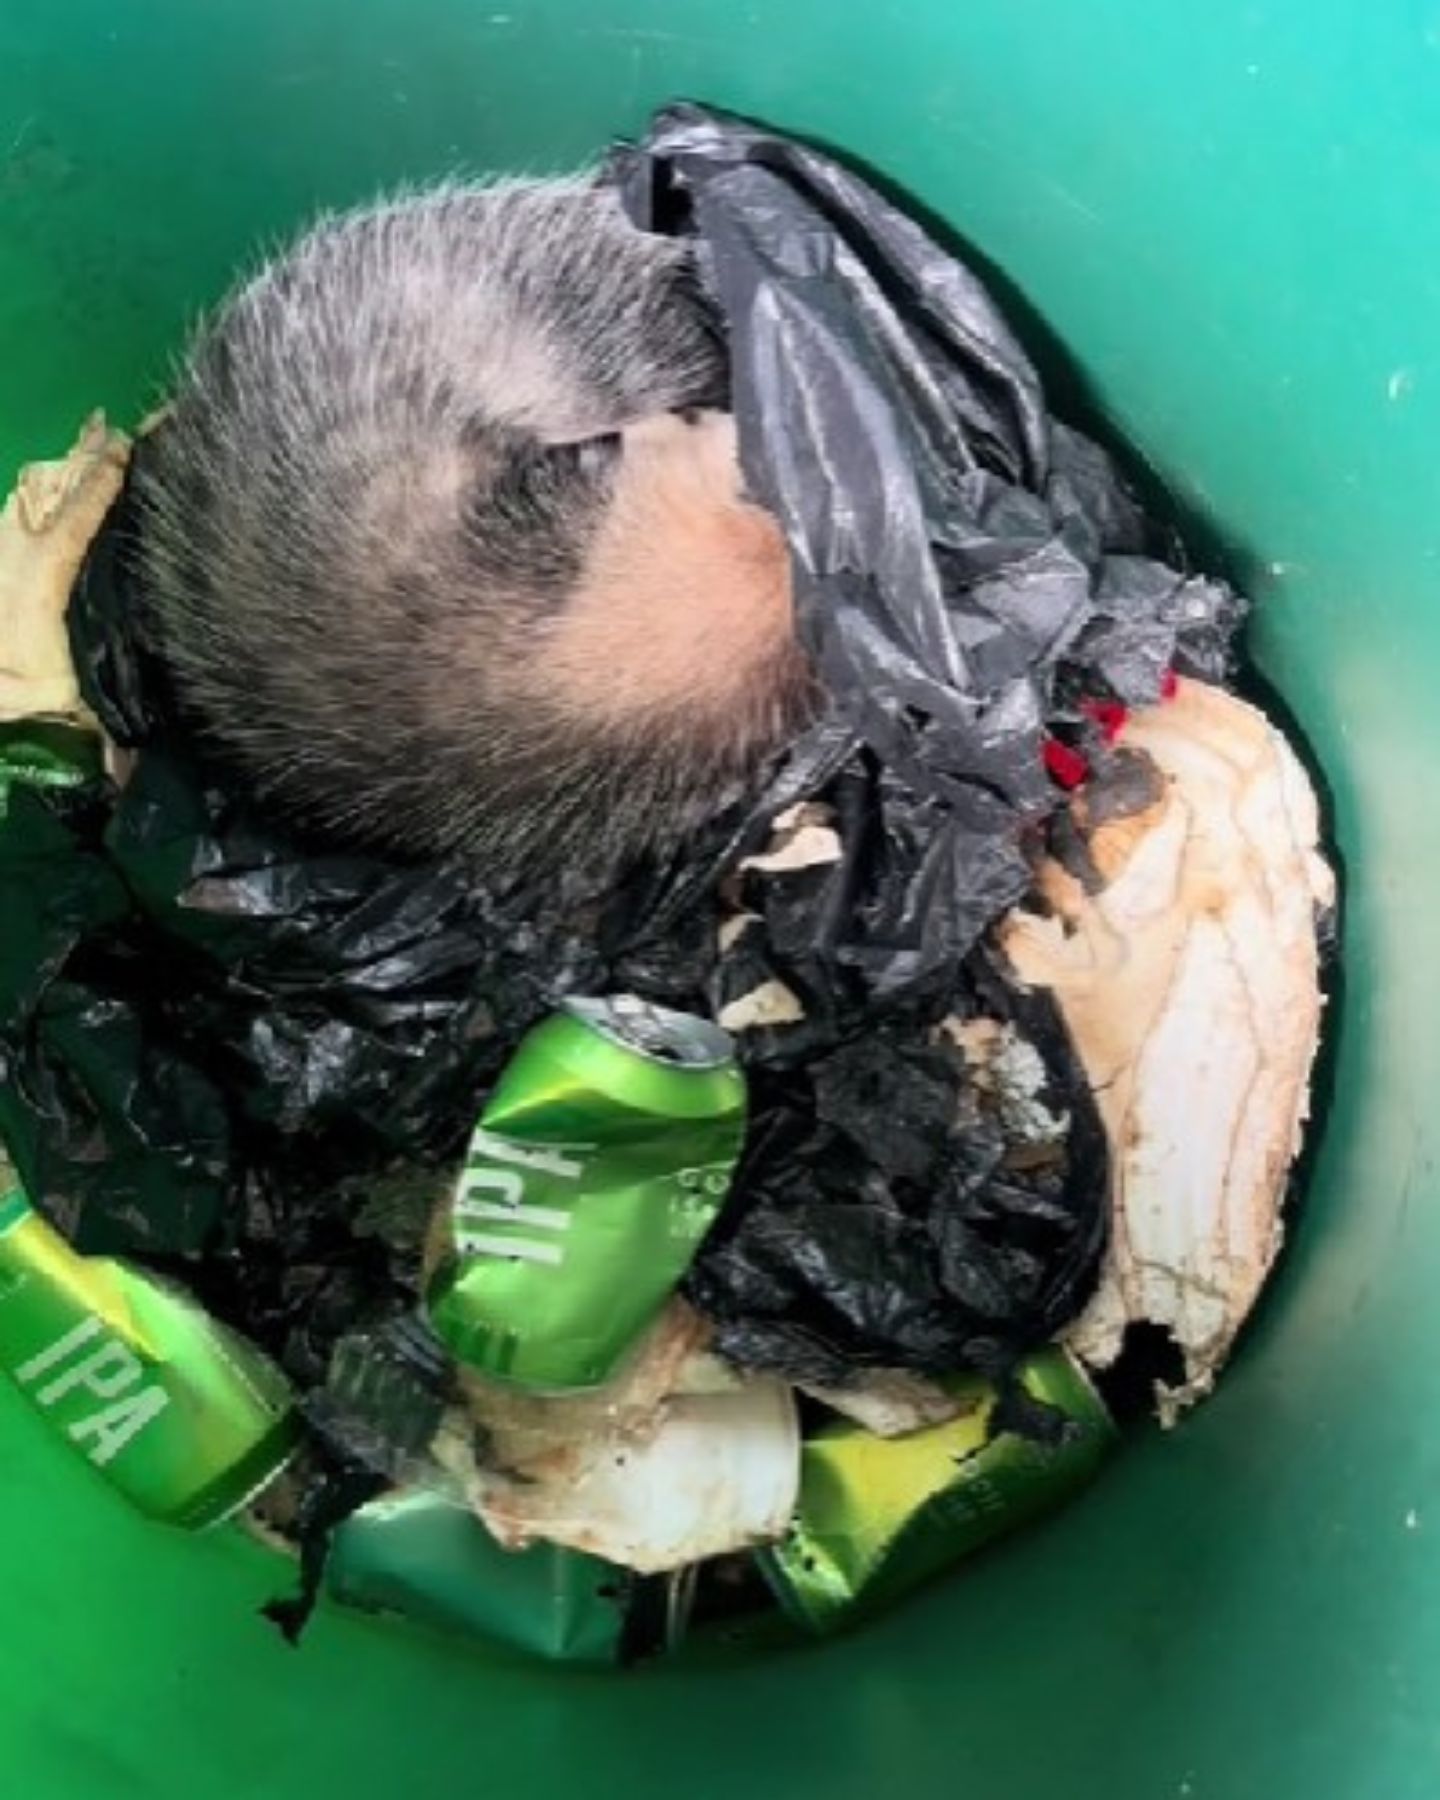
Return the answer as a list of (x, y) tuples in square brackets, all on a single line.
[(1065, 765), (1109, 715)]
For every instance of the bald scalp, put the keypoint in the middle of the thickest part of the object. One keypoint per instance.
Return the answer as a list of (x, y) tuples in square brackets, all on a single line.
[(446, 543)]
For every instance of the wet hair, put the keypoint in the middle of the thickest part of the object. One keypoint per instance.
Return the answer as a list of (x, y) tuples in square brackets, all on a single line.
[(445, 543)]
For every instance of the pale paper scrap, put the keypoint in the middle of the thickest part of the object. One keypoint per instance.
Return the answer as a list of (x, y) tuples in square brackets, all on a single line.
[(772, 1003), (720, 1475), (1011, 1071), (1190, 985), (801, 837), (527, 1431), (676, 1460), (46, 527), (890, 1402)]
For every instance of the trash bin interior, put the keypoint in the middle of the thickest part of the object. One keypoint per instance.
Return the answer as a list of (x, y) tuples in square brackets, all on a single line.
[(1242, 286)]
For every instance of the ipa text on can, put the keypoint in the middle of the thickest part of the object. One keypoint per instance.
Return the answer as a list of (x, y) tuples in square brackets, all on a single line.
[(598, 1165)]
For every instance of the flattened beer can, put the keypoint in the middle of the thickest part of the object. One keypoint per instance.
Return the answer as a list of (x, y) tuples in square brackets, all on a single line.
[(877, 1516), (598, 1165), (187, 1420)]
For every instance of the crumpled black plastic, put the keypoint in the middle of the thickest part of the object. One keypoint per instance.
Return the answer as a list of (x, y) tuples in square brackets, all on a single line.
[(888, 1215), (220, 1043), (957, 551), (968, 572)]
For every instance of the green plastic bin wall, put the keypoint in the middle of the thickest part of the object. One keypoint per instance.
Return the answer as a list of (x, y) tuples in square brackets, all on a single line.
[(1230, 213)]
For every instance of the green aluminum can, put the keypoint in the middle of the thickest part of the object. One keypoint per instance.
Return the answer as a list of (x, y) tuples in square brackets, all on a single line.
[(425, 1556), (598, 1165), (45, 753), (185, 1419), (877, 1517)]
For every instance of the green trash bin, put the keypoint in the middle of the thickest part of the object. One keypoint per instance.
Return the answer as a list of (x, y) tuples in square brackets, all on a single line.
[(1231, 216)]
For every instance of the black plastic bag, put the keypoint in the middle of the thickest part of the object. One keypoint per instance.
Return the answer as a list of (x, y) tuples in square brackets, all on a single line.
[(969, 574), (896, 1208), (961, 558)]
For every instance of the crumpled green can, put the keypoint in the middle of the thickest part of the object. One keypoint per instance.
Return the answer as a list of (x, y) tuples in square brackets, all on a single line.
[(425, 1556), (598, 1166), (877, 1517), (47, 754)]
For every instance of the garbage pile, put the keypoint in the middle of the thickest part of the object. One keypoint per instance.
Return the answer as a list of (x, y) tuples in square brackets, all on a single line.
[(813, 1171)]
